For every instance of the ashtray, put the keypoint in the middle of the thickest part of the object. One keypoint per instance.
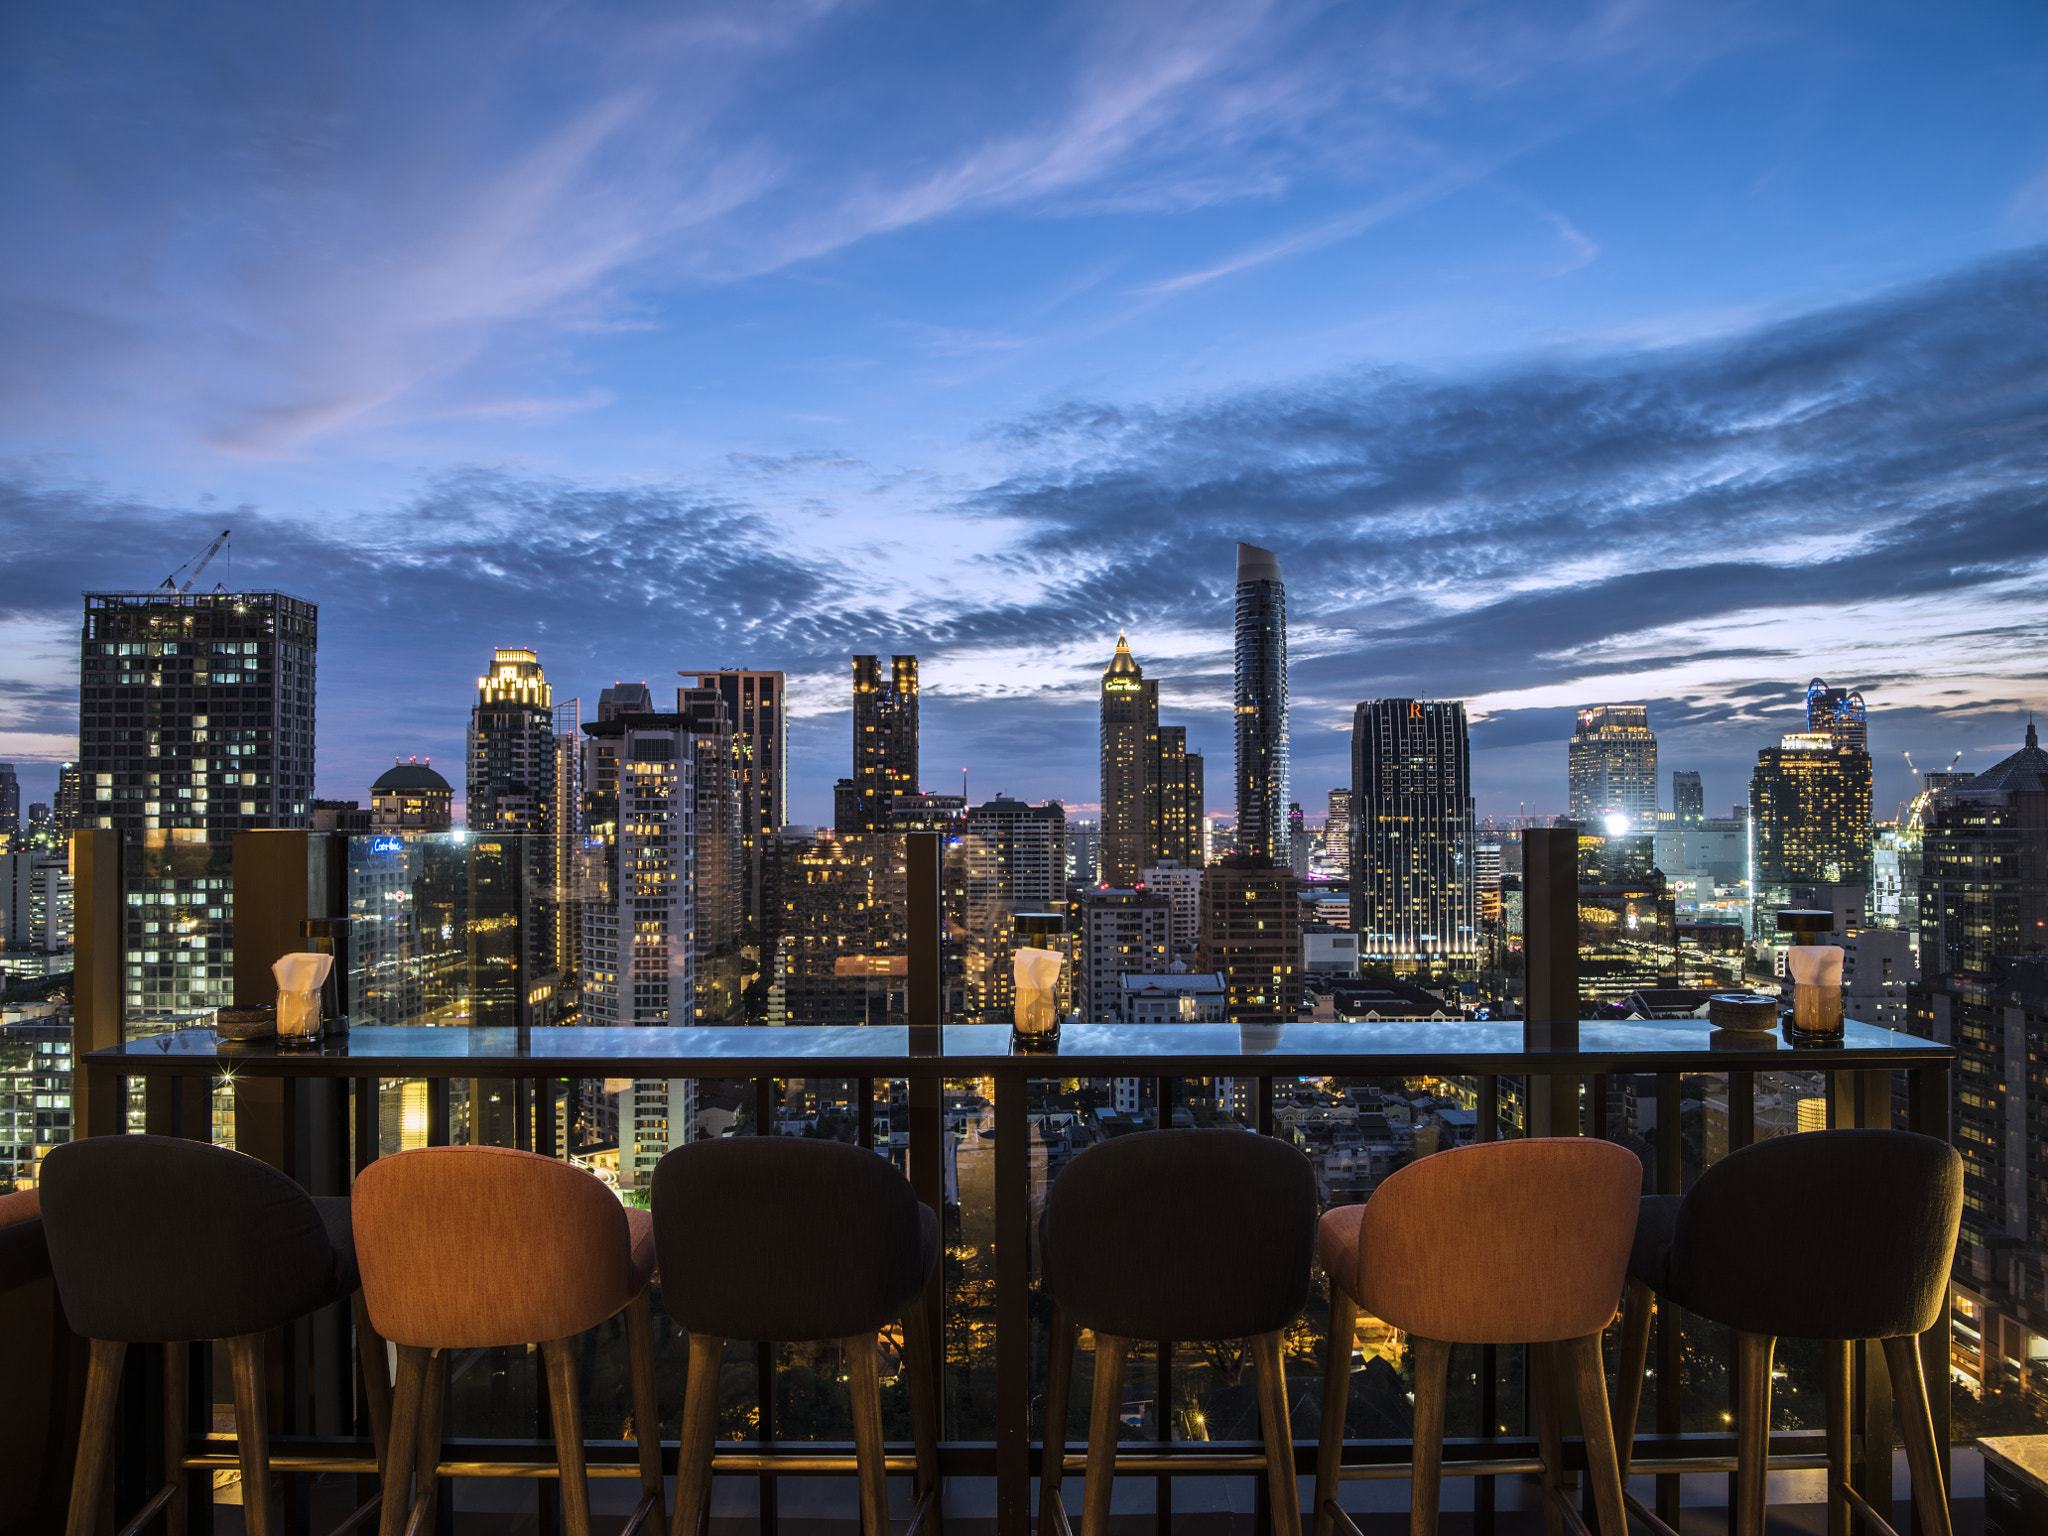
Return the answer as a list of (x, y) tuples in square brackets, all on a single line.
[(246, 1023)]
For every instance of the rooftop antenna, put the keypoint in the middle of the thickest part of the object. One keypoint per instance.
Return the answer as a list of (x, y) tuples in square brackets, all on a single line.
[(171, 581)]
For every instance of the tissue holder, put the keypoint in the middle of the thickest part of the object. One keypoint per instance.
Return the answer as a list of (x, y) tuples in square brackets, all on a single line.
[(299, 981), (1036, 1025), (1816, 971)]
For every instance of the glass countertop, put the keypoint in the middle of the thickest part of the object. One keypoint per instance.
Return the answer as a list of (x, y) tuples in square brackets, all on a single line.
[(963, 1050)]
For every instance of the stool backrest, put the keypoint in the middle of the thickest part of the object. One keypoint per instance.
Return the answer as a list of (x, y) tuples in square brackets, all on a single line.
[(782, 1237), (1504, 1242), (1823, 1235), (154, 1239), (469, 1247), (1182, 1235)]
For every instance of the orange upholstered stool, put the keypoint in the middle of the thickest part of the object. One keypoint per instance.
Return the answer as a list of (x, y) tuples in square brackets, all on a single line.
[(484, 1247), (1541, 1231)]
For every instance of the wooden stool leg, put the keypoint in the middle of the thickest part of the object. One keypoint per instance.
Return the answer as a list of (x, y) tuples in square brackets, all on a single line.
[(1432, 1386), (565, 1402), (1104, 1417), (376, 1368), (95, 1436), (864, 1388), (252, 1431), (1059, 1392), (700, 1429), (177, 1422), (646, 1403), (406, 1396), (1336, 1399), (1638, 1307), (1542, 1366), (426, 1476), (1270, 1372), (1603, 1461), (924, 1410), (1752, 1432), (1916, 1419), (1835, 1355)]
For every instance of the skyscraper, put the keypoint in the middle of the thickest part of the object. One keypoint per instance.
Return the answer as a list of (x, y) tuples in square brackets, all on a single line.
[(1809, 823), (1339, 834), (718, 900), (196, 720), (1613, 766), (10, 800), (1984, 866), (1261, 668), (1688, 796), (66, 808), (1151, 783), (754, 701), (884, 742), (1016, 861), (1838, 714), (1414, 880), (1121, 932), (1251, 936), (511, 779)]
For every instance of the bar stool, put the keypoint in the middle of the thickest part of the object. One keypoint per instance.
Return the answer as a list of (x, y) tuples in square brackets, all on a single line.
[(1540, 1229), (1840, 1236), (157, 1240), (1174, 1235), (488, 1247), (776, 1239)]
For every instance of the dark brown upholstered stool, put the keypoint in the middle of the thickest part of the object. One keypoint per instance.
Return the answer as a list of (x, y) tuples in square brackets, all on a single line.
[(155, 1240), (487, 1247), (1833, 1235), (776, 1239), (1173, 1235), (1541, 1231)]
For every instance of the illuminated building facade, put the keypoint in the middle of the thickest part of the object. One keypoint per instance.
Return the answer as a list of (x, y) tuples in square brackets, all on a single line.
[(1261, 704), (565, 835), (1809, 823), (1613, 766), (1339, 834), (884, 743), (754, 702), (196, 720), (1120, 933), (411, 797), (1837, 714), (10, 800), (1414, 873), (64, 813), (832, 941), (1984, 866), (720, 866), (511, 788), (1251, 936), (1015, 862), (639, 937), (1151, 784)]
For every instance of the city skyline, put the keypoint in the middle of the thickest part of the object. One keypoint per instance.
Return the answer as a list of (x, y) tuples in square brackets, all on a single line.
[(1639, 356)]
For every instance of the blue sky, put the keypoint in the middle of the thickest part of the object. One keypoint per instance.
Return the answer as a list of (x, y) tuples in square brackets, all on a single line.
[(1566, 354)]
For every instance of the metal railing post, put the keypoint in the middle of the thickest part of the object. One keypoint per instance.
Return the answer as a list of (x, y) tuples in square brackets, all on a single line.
[(99, 917)]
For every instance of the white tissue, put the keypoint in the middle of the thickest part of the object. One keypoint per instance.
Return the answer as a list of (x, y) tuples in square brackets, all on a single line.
[(299, 979), (1038, 975), (1815, 965)]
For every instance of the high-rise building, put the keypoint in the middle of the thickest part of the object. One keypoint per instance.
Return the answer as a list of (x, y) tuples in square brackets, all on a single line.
[(1298, 842), (1339, 833), (1151, 783), (1414, 879), (1119, 932), (65, 811), (10, 800), (1251, 936), (719, 898), (1809, 823), (884, 743), (1688, 796), (196, 720), (565, 833), (754, 701), (1016, 862), (639, 949), (1983, 989), (511, 782), (1838, 714), (1084, 852), (1613, 766), (1261, 702), (1182, 887), (623, 699), (35, 905)]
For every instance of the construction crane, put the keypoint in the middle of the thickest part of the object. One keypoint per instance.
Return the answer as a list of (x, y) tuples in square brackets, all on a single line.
[(171, 581), (1915, 810)]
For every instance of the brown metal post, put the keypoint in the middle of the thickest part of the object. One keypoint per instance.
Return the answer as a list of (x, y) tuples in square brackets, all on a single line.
[(924, 853), (99, 916), (1550, 949)]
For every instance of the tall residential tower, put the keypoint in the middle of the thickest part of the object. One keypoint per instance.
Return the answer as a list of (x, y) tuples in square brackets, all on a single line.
[(1414, 877), (884, 742), (1151, 783), (1614, 766), (1261, 667)]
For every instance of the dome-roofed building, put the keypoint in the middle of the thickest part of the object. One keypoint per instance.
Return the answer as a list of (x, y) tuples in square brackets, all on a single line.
[(410, 797)]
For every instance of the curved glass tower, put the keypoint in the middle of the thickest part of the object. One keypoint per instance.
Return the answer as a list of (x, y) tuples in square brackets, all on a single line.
[(1261, 704)]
